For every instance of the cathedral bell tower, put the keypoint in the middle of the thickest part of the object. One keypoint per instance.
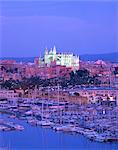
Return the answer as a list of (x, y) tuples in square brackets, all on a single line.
[(54, 53), (46, 56)]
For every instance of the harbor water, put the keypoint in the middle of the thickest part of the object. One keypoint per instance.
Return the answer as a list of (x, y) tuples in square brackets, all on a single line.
[(38, 138)]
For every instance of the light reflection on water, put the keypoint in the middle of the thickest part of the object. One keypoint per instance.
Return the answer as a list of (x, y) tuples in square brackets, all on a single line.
[(36, 138)]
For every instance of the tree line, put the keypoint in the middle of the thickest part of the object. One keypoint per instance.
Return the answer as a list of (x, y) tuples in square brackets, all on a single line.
[(79, 77)]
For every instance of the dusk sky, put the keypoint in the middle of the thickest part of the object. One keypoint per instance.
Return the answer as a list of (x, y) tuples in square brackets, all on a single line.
[(81, 27)]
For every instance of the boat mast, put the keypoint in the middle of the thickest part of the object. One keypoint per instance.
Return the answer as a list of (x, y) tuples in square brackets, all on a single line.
[(42, 111)]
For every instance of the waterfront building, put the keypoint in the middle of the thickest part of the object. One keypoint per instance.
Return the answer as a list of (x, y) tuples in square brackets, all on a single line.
[(8, 94), (52, 95), (94, 94)]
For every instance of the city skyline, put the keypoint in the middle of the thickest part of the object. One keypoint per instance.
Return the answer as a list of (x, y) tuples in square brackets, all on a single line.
[(87, 27), (59, 74)]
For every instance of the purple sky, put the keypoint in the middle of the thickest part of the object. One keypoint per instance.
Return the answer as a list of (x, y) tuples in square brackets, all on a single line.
[(26, 28)]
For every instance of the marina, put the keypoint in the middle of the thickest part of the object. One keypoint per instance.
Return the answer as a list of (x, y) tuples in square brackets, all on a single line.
[(94, 121), (34, 138)]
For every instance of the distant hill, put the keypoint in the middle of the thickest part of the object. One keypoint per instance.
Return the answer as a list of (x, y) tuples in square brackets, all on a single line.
[(20, 59), (111, 57)]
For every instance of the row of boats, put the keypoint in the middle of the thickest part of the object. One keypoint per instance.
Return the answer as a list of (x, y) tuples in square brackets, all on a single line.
[(10, 126), (66, 128), (74, 129), (67, 117)]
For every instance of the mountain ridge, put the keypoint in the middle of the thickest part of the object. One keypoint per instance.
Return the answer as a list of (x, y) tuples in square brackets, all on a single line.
[(111, 57)]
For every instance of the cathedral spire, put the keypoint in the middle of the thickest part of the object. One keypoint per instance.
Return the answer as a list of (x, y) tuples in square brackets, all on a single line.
[(46, 50), (54, 50)]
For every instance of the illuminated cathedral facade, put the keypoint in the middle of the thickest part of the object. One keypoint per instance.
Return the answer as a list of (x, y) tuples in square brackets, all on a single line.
[(63, 59)]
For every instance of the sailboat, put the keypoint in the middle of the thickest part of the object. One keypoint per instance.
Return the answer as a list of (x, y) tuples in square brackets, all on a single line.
[(68, 127), (45, 122), (60, 126)]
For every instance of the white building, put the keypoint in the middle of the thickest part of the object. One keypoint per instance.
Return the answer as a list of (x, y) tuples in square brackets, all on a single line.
[(63, 59), (8, 94)]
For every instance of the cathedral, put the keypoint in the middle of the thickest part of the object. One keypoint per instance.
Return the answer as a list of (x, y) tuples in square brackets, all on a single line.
[(63, 59)]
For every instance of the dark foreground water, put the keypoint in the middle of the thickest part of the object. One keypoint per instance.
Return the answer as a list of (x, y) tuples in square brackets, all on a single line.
[(36, 138)]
